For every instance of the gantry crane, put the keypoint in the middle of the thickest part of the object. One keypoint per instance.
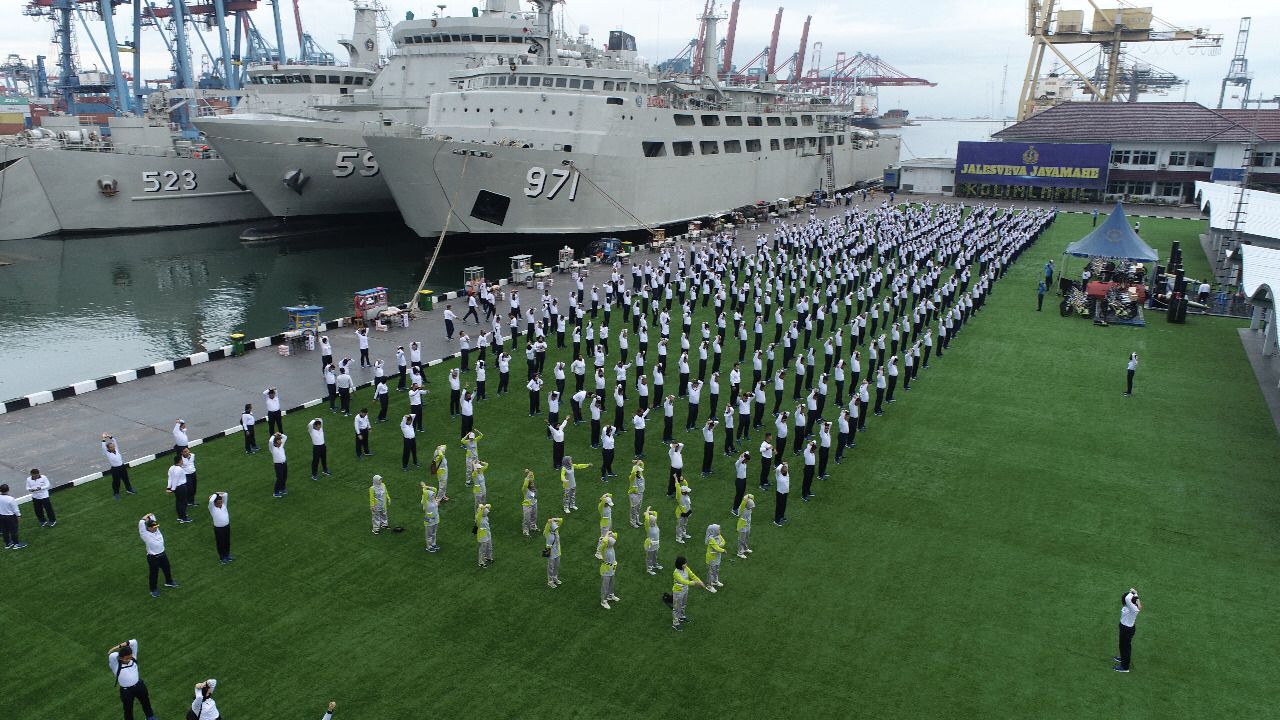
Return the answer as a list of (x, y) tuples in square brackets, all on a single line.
[(1110, 29), (1238, 71)]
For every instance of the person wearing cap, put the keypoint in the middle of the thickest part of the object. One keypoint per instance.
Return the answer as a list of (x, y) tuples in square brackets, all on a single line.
[(484, 537), (475, 478), (123, 662), (635, 490), (221, 517), (569, 482), (38, 486), (715, 550), (176, 485), (652, 541), (605, 508), (379, 503), (744, 525), (119, 469), (684, 508), (1130, 606), (605, 551), (10, 517), (551, 532), (157, 560), (682, 577), (203, 707), (440, 468), (430, 516), (528, 504)]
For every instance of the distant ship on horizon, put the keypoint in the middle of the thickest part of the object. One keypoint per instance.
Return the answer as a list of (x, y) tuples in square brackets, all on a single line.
[(890, 119)]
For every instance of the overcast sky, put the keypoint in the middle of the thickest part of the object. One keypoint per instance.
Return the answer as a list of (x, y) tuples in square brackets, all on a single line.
[(964, 47)]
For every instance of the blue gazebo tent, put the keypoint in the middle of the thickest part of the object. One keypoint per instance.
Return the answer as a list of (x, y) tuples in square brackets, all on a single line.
[(1115, 239)]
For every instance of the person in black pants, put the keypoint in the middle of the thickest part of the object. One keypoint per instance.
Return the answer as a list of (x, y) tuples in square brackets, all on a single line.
[(122, 660), (1131, 369), (1130, 606)]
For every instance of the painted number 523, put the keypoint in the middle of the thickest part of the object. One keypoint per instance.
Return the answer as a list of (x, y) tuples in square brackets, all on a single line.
[(537, 180)]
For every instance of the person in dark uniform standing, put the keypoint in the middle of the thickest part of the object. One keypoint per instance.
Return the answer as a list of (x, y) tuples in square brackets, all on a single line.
[(1040, 291), (1130, 606), (123, 661)]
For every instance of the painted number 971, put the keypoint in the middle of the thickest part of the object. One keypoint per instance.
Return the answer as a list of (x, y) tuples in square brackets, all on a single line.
[(537, 181)]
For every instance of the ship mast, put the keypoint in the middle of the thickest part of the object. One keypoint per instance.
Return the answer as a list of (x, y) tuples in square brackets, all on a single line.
[(546, 23)]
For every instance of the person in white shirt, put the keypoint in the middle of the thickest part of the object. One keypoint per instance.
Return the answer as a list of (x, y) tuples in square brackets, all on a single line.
[(319, 450), (382, 394), (221, 517), (157, 560), (1130, 370), (410, 442), (118, 468), (180, 435), (177, 487), (676, 457), (248, 424), (782, 476), (362, 337), (203, 707), (275, 418), (10, 518), (326, 352), (415, 355), (345, 385), (38, 486), (362, 426), (449, 318), (123, 663), (276, 446), (189, 469), (1130, 606)]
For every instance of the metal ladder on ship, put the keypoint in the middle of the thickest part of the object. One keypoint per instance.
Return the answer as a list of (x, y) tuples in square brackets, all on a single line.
[(831, 173)]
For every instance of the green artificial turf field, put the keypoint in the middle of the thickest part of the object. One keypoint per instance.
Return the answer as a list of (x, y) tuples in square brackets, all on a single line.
[(966, 560)]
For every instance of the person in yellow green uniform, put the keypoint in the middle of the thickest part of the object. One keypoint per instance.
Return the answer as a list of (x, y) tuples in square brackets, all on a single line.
[(379, 503), (470, 445), (484, 538), (430, 516), (635, 490), (651, 536), (479, 488), (744, 524), (605, 507), (684, 508), (552, 534), (608, 567), (570, 483), (715, 549), (683, 577), (528, 504), (440, 468)]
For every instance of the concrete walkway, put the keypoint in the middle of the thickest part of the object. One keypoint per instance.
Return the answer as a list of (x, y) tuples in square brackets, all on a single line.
[(1266, 369)]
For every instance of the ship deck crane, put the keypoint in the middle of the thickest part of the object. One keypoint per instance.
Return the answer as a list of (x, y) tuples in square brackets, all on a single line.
[(1049, 26), (727, 68), (771, 64)]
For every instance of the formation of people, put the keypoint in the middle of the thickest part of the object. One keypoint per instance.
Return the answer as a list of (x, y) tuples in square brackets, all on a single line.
[(804, 339)]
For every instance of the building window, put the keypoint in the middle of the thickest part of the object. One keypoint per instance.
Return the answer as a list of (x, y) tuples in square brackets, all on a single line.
[(1263, 159), (1200, 159), (711, 120), (1119, 157), (683, 119), (654, 148), (753, 146), (1178, 158), (791, 122), (1132, 187), (733, 146), (709, 147), (774, 121), (754, 121), (682, 147), (1144, 157), (1169, 189), (806, 119), (733, 120)]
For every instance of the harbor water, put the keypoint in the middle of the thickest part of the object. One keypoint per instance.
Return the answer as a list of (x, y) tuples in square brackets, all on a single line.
[(79, 308)]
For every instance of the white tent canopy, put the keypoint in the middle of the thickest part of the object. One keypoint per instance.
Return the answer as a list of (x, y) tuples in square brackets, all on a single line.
[(1262, 209), (1259, 272)]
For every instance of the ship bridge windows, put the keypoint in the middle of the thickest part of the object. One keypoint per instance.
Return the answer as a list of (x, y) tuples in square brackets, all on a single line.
[(806, 120), (710, 120), (548, 81), (682, 148), (709, 147), (683, 120), (774, 121), (588, 84), (753, 146), (791, 121), (733, 120), (754, 121), (654, 148), (523, 81), (575, 83), (491, 38), (733, 146), (608, 86), (562, 82), (321, 80)]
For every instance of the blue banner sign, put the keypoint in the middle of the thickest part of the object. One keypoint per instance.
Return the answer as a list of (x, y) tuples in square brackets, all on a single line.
[(1059, 165)]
